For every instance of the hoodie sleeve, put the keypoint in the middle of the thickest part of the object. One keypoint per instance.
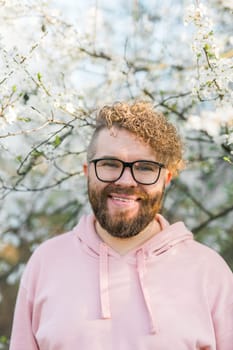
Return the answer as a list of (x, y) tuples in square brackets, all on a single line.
[(22, 337), (25, 320), (222, 306)]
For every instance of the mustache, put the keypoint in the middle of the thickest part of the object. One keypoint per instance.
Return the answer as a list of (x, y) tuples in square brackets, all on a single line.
[(125, 190)]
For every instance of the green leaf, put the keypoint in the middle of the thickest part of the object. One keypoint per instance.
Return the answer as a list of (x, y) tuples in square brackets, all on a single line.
[(35, 153), (207, 47), (39, 76), (19, 158), (3, 339), (24, 119), (14, 88), (227, 159), (57, 141)]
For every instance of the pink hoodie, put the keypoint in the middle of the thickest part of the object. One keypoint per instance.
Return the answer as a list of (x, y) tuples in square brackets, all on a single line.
[(170, 294)]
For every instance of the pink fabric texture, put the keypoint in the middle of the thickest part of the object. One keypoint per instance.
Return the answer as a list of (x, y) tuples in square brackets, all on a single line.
[(76, 293)]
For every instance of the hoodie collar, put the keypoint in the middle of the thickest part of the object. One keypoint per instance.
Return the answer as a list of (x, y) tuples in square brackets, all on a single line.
[(169, 236)]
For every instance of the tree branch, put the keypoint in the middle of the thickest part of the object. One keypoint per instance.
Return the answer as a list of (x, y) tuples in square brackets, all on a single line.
[(212, 218)]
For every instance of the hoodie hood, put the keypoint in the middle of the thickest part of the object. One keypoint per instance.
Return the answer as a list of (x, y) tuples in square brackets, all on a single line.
[(168, 237)]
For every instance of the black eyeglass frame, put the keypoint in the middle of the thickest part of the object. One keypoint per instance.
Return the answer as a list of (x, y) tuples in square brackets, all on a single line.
[(127, 165)]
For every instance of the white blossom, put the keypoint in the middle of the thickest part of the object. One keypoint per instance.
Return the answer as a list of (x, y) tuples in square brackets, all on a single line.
[(212, 121), (213, 72), (228, 3), (16, 275), (10, 115), (230, 138)]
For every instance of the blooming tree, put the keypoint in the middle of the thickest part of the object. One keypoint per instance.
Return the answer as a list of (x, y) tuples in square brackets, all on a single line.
[(58, 67)]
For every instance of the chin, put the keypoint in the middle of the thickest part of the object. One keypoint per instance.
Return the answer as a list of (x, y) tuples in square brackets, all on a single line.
[(123, 214)]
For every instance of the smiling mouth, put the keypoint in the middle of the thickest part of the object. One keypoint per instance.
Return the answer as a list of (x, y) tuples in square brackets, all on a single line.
[(124, 199)]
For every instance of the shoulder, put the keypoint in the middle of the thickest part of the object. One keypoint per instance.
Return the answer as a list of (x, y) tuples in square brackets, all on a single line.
[(48, 253), (205, 251), (209, 260), (55, 244)]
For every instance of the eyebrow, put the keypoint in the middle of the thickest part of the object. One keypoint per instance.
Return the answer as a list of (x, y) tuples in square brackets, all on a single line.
[(111, 157), (117, 158)]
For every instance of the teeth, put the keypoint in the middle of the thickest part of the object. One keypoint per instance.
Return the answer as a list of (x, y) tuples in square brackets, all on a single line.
[(123, 199)]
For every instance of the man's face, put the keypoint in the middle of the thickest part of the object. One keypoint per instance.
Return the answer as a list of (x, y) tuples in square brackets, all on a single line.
[(124, 208)]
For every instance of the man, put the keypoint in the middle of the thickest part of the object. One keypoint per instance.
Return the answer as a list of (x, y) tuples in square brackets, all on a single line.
[(124, 279)]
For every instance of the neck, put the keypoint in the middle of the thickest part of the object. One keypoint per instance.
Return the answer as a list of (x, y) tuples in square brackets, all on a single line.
[(124, 245)]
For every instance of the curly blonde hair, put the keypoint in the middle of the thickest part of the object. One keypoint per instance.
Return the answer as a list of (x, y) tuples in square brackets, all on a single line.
[(149, 125)]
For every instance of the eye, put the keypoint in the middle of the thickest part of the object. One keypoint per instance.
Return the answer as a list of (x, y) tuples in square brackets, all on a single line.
[(145, 166), (109, 163)]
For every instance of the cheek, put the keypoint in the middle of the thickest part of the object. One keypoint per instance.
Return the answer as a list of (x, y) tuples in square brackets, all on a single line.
[(152, 190), (94, 184), (91, 177)]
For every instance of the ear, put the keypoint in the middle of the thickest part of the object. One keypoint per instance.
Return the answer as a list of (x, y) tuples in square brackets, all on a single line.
[(168, 178), (85, 169)]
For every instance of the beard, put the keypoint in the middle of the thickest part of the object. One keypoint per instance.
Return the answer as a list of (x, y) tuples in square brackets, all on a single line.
[(120, 224)]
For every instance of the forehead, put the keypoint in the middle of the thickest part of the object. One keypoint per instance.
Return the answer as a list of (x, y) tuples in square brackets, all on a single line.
[(122, 144)]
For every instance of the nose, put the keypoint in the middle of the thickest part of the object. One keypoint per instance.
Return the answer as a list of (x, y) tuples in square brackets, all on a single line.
[(126, 178)]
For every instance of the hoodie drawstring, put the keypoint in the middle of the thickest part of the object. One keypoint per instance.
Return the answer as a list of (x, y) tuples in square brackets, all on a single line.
[(104, 282), (141, 269)]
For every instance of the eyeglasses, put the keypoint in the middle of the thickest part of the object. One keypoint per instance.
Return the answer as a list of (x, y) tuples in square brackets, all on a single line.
[(144, 172)]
